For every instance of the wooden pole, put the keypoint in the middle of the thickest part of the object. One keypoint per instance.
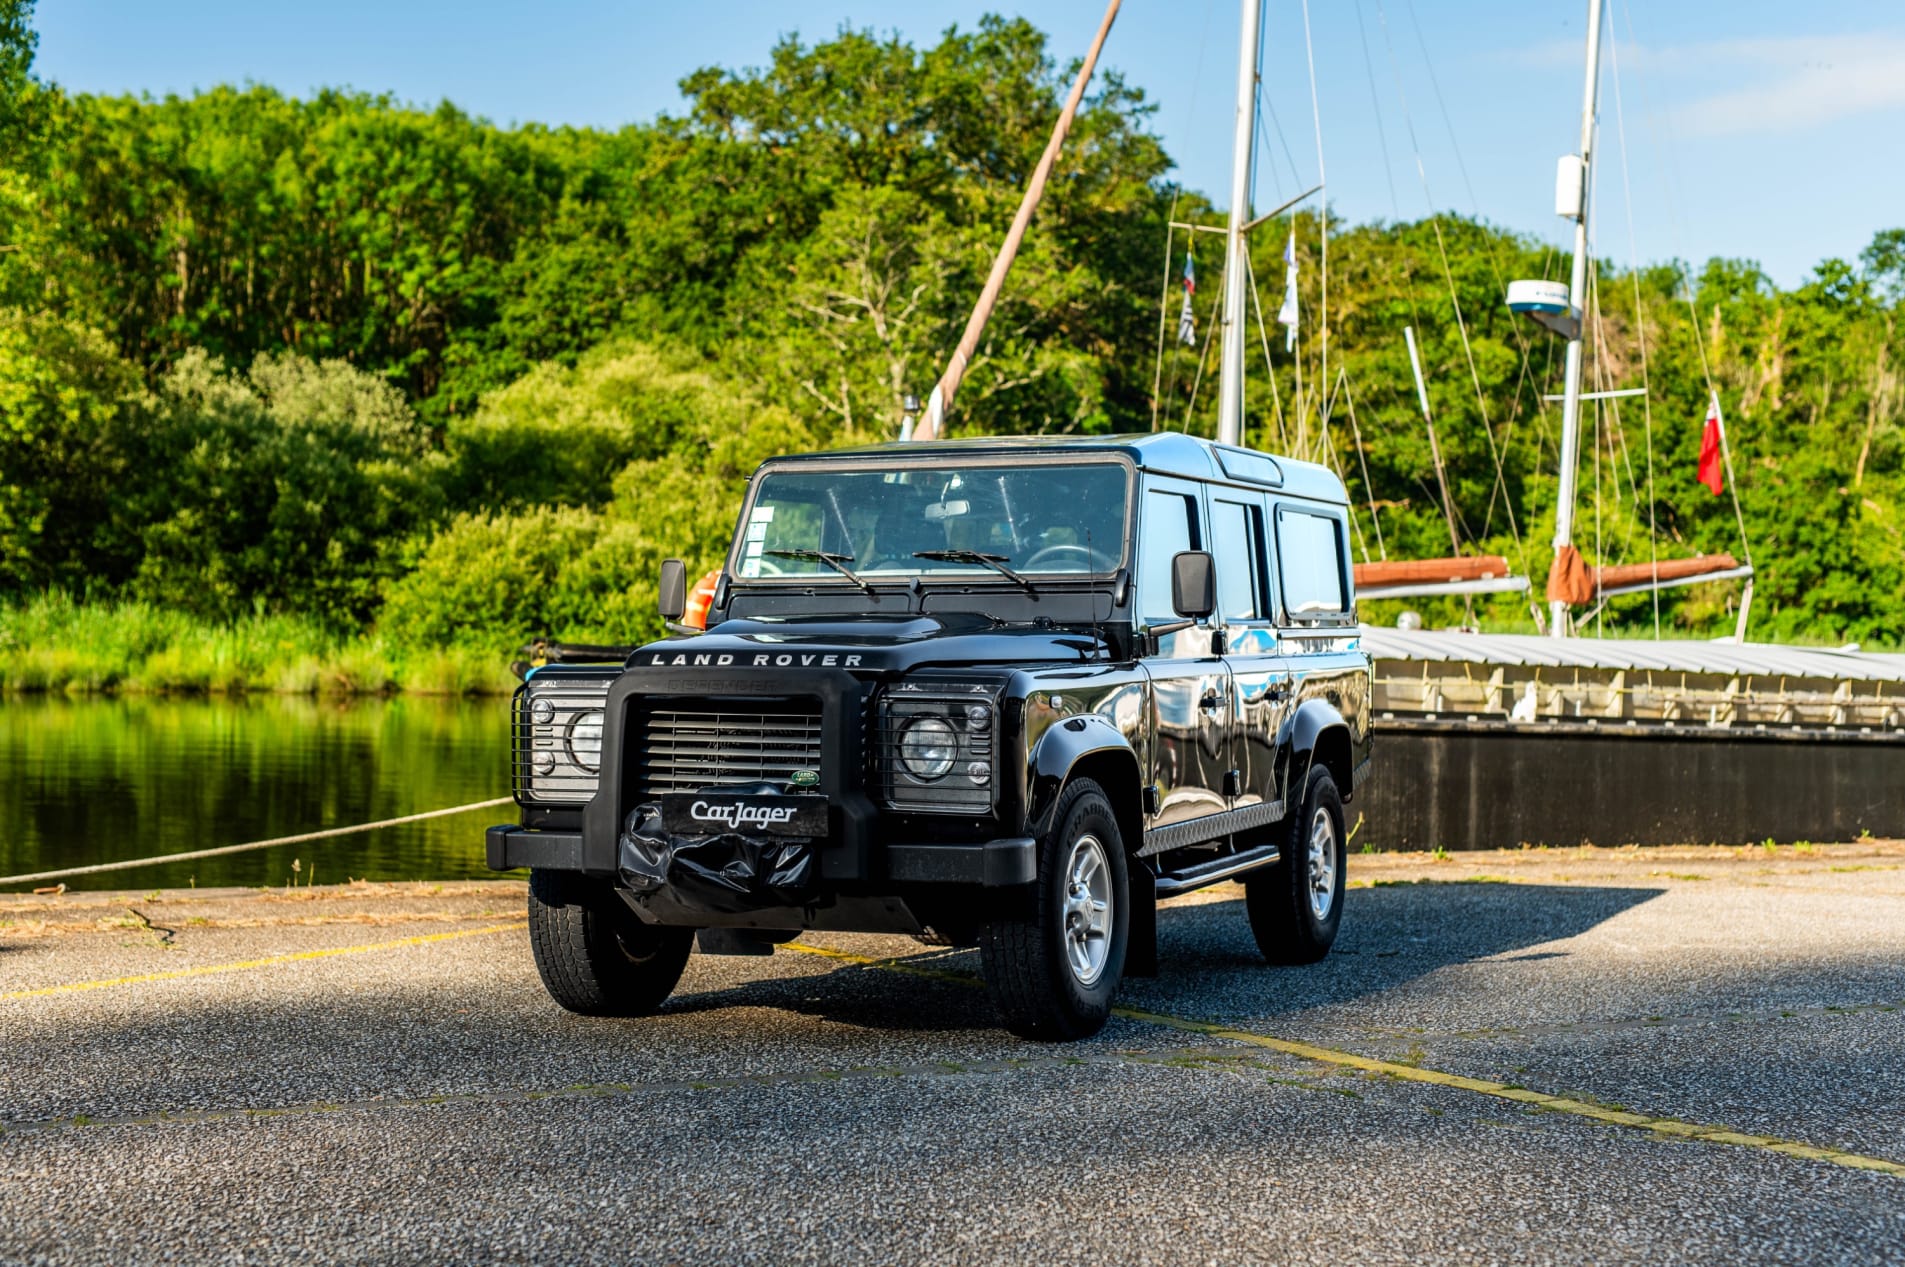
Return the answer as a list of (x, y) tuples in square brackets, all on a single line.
[(933, 425)]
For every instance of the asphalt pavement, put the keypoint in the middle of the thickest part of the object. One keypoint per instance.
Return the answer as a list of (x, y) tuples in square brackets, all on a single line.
[(1558, 1056)]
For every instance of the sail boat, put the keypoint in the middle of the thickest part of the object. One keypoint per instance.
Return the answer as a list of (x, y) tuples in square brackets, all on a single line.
[(1561, 310)]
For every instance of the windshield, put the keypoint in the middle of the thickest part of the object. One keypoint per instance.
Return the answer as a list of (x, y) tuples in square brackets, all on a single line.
[(1045, 519)]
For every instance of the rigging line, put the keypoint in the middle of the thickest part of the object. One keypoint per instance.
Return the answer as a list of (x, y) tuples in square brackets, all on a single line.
[(1617, 434), (1481, 400), (1177, 192), (1269, 366), (1190, 406), (1461, 164), (1299, 400), (1362, 460), (1375, 106), (1435, 222), (1449, 511), (1164, 310), (1342, 382), (1269, 107), (1606, 432), (1263, 138), (1693, 311), (1435, 86), (1323, 215), (1493, 254), (1666, 175)]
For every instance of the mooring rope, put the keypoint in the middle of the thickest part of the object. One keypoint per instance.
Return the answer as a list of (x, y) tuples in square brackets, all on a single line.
[(222, 850)]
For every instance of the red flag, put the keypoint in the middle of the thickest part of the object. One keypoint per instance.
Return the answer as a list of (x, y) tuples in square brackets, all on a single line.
[(1710, 466)]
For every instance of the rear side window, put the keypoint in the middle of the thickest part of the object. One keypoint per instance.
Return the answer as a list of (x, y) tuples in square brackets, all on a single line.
[(1237, 531), (1168, 529), (1310, 561)]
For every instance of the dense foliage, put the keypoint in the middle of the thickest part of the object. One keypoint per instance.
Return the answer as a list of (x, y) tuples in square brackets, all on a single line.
[(372, 367)]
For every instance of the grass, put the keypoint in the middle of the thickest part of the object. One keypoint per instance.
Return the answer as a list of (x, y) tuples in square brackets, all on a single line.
[(54, 644)]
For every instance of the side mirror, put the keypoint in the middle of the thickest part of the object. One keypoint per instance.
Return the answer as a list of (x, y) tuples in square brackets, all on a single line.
[(673, 599), (1193, 584)]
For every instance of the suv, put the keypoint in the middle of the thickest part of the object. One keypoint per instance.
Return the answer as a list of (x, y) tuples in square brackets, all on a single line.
[(996, 692)]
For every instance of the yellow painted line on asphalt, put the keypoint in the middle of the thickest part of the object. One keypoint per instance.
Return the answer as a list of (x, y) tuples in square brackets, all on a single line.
[(1664, 1126), (245, 965)]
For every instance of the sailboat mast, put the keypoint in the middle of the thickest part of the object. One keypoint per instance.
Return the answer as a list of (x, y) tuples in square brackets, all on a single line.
[(1230, 388), (1572, 187)]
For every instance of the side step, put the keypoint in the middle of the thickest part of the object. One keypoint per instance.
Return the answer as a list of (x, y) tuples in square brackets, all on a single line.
[(1204, 874)]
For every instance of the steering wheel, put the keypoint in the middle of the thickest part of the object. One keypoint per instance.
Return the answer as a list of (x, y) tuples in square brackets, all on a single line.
[(1098, 561), (767, 567)]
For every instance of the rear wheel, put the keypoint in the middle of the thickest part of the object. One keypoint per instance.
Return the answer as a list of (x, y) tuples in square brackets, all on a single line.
[(1053, 957), (1296, 906), (595, 955)]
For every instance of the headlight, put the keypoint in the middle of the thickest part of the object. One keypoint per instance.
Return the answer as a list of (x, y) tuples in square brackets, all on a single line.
[(928, 748), (585, 741), (558, 735), (928, 730)]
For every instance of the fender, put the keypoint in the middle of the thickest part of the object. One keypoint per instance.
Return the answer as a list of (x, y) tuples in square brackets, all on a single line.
[(1059, 750), (1314, 719)]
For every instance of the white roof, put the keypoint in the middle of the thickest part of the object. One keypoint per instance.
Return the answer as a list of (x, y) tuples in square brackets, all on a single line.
[(1755, 659)]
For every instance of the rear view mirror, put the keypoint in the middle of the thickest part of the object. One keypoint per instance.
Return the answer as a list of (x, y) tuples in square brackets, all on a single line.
[(673, 599), (1193, 584)]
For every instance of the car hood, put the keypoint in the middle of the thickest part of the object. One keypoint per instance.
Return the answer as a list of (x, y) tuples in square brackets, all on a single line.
[(869, 644)]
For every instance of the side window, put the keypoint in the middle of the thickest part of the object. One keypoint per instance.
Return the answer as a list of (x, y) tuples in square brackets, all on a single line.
[(1169, 528), (1237, 532), (1310, 560)]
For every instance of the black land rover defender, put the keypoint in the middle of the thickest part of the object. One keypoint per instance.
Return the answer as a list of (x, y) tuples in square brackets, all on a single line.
[(998, 692)]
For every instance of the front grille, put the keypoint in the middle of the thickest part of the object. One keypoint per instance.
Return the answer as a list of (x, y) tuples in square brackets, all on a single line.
[(682, 749)]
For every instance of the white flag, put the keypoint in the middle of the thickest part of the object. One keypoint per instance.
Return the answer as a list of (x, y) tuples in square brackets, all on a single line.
[(1287, 313)]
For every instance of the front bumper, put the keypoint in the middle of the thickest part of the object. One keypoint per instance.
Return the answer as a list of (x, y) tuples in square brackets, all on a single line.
[(509, 846), (991, 864)]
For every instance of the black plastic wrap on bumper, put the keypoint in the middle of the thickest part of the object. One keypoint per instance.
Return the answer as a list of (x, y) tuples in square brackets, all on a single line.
[(727, 873)]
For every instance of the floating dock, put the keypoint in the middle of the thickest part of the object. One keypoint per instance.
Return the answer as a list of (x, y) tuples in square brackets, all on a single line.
[(1494, 740)]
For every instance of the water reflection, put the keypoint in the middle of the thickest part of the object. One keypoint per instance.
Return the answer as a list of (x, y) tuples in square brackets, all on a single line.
[(85, 781)]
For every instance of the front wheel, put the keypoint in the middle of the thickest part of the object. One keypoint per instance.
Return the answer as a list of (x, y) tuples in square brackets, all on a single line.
[(1296, 906), (1054, 957), (595, 955)]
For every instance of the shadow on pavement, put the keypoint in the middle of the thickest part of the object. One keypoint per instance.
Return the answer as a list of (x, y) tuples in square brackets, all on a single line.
[(1209, 966)]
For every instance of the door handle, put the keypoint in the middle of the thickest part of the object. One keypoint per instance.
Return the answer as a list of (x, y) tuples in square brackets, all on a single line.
[(1210, 701)]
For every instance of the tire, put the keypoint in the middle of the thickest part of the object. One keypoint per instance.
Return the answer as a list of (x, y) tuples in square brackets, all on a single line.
[(1053, 956), (595, 955), (1283, 901)]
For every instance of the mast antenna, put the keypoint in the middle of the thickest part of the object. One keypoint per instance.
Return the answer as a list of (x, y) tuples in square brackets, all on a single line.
[(1230, 361), (1568, 579)]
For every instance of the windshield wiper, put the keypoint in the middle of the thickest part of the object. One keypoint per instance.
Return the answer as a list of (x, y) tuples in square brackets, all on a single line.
[(838, 562), (997, 562)]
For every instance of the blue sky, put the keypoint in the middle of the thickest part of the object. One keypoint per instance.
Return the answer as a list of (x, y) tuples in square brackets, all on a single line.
[(1754, 129)]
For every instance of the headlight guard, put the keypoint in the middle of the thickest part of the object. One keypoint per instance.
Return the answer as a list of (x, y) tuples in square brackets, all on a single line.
[(935, 748), (557, 736)]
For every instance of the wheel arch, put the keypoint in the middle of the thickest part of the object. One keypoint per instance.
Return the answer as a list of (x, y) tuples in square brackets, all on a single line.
[(1320, 736), (1087, 748)]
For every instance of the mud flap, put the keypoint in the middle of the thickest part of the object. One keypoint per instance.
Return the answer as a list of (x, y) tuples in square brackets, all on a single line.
[(1141, 948)]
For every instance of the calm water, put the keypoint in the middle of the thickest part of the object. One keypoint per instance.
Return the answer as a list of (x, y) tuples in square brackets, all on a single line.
[(100, 780)]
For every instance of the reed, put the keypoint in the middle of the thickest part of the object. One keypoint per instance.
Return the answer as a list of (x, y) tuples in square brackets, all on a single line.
[(53, 643)]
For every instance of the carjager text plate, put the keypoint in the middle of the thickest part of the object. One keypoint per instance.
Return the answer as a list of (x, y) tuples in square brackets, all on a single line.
[(749, 814)]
